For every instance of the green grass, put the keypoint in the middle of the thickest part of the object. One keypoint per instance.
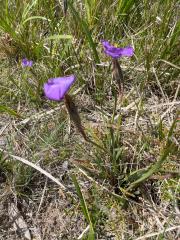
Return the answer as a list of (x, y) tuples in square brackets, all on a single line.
[(123, 180)]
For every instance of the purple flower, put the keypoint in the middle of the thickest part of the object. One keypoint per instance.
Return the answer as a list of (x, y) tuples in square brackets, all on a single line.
[(56, 88), (27, 63), (116, 52)]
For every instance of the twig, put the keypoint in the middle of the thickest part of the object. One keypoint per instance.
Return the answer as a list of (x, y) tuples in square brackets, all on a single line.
[(42, 197), (152, 107), (3, 129), (157, 233), (84, 232), (37, 168), (173, 103), (159, 84), (38, 116), (169, 63)]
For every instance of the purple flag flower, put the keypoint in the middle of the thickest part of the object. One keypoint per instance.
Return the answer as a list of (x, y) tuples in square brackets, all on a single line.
[(27, 63), (56, 88), (116, 52)]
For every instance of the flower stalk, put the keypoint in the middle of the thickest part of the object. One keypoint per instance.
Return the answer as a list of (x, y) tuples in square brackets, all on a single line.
[(115, 53)]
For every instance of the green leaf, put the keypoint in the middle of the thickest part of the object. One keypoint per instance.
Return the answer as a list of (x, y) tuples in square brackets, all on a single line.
[(84, 208), (9, 111)]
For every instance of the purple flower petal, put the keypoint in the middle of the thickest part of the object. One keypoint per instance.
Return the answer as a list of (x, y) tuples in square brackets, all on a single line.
[(105, 43), (27, 63), (56, 88), (127, 51), (116, 52)]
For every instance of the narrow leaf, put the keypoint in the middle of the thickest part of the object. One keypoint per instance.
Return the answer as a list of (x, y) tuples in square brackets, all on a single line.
[(59, 37), (9, 111), (84, 207), (34, 18)]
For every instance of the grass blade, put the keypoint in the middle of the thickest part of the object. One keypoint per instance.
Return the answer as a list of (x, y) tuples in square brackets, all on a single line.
[(9, 111), (85, 29), (84, 207), (142, 175), (34, 18), (58, 37)]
